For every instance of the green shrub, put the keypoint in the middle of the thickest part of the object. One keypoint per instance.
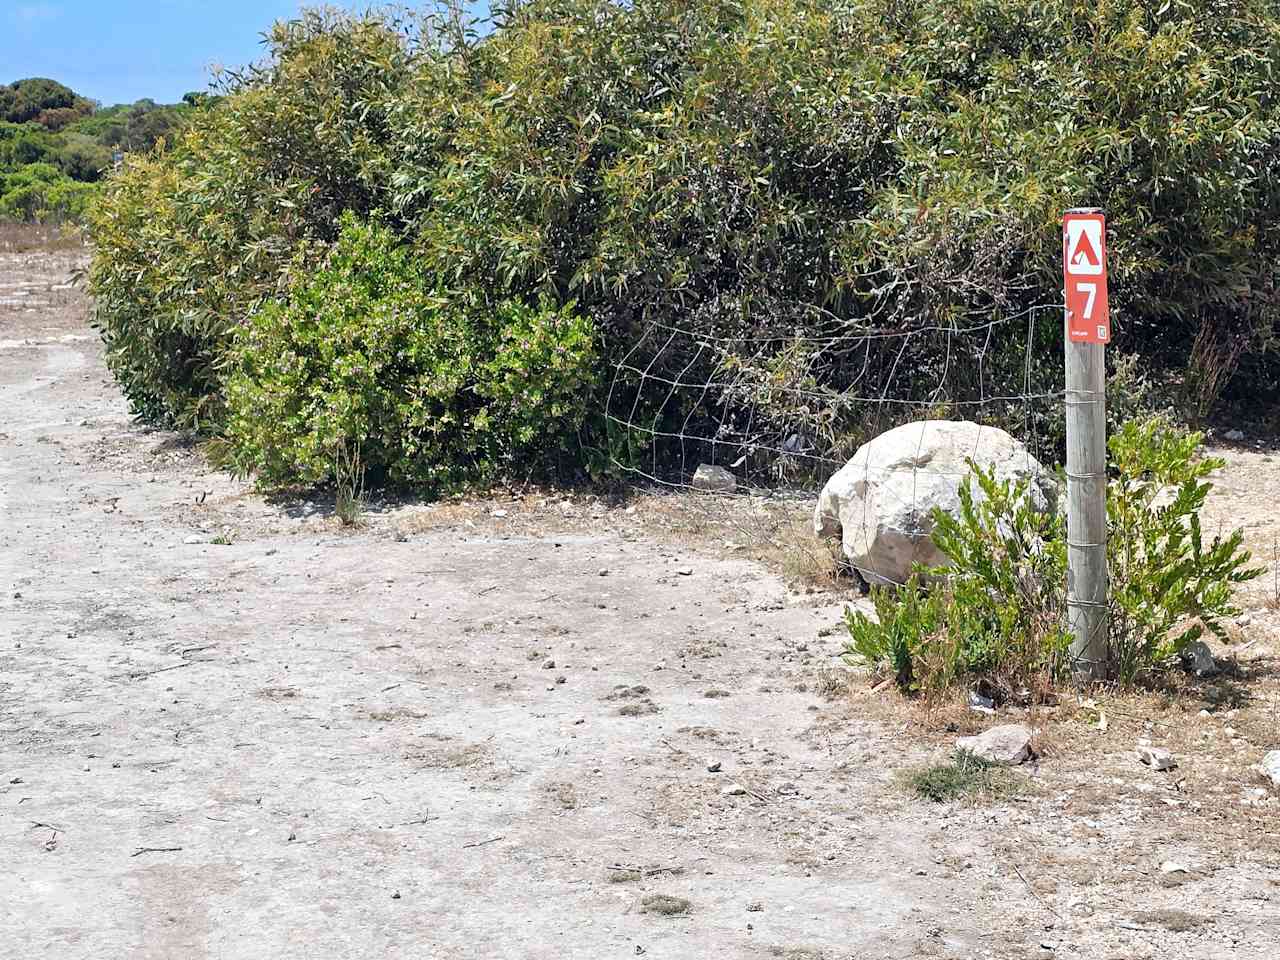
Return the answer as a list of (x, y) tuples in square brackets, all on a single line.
[(1167, 585), (365, 359), (189, 242), (995, 609), (996, 612), (41, 193)]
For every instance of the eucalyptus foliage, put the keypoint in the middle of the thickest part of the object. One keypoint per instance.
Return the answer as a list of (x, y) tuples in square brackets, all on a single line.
[(751, 196)]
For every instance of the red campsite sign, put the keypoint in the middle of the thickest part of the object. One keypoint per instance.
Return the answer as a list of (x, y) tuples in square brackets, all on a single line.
[(1084, 277)]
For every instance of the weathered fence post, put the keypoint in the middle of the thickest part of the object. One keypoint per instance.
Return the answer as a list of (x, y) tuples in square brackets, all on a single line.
[(1088, 330)]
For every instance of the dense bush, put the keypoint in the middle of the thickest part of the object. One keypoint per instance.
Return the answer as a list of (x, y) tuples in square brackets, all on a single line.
[(752, 200), (996, 614), (368, 356), (190, 242), (39, 192)]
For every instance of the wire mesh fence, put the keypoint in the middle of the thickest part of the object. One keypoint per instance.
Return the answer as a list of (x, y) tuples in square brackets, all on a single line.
[(783, 411)]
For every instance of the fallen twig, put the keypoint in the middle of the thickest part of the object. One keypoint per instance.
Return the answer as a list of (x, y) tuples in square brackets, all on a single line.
[(645, 873), (141, 850), (481, 843), (1033, 892), (140, 674)]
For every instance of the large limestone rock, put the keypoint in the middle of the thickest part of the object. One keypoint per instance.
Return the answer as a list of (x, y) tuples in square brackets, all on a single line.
[(880, 502)]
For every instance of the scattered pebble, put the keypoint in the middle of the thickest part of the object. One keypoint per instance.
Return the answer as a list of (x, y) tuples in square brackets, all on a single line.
[(548, 664), (1157, 758), (713, 766), (734, 790), (1198, 658), (1009, 743)]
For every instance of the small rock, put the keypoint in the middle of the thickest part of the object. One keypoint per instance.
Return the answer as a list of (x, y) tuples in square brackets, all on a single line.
[(396, 895), (548, 664), (684, 572), (714, 479), (713, 766), (980, 704), (1243, 620), (194, 538), (734, 790), (604, 572), (1198, 658), (1270, 767), (1009, 743), (499, 514), (1157, 758), (1173, 866), (1233, 435), (755, 907), (561, 678)]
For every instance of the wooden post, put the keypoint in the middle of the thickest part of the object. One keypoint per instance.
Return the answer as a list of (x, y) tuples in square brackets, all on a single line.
[(1087, 510), (1086, 415)]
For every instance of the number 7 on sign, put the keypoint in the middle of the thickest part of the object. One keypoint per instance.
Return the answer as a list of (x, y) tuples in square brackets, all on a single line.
[(1092, 290)]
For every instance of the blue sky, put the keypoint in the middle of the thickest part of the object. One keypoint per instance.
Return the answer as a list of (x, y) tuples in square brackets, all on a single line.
[(118, 51)]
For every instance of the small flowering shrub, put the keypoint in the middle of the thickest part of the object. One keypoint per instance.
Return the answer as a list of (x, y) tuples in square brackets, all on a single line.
[(365, 357)]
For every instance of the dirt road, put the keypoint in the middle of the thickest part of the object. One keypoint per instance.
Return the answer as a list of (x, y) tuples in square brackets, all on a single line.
[(437, 740)]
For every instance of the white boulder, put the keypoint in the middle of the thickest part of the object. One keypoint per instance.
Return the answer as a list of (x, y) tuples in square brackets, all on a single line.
[(1270, 767), (880, 503)]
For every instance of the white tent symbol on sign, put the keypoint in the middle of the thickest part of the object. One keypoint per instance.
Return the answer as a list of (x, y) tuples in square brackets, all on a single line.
[(1084, 247)]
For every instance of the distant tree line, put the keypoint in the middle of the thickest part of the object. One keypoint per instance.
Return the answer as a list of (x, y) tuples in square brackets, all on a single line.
[(55, 145)]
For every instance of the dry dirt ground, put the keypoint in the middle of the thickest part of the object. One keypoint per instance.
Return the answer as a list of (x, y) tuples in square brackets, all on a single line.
[(314, 743)]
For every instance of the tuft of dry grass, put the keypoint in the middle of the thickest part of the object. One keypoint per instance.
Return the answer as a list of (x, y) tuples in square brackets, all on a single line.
[(624, 873), (665, 905), (832, 683), (348, 472), (964, 777), (564, 794)]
